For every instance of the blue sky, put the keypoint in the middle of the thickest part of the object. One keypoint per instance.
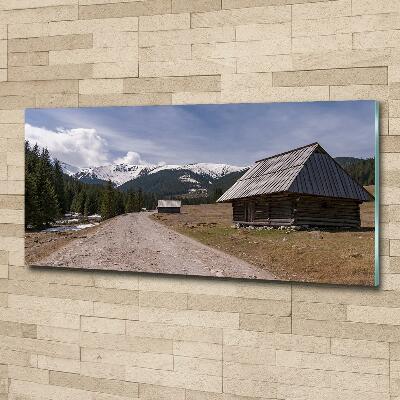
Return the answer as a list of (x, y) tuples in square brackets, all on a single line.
[(237, 134)]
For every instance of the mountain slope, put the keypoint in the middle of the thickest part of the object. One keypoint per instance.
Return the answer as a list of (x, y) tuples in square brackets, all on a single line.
[(122, 173), (211, 169), (168, 182), (178, 182), (118, 174), (68, 169)]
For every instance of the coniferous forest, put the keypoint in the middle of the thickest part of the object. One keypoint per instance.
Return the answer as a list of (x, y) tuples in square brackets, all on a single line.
[(49, 193), (362, 170)]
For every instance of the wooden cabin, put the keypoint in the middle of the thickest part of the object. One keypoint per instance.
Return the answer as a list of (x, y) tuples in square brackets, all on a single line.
[(169, 206), (301, 187)]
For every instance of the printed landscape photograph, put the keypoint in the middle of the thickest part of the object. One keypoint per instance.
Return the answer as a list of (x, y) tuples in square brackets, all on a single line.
[(279, 191)]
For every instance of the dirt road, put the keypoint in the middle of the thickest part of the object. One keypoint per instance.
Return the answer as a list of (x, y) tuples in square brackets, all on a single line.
[(135, 242)]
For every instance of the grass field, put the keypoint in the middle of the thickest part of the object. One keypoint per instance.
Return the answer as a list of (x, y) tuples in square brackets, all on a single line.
[(342, 257)]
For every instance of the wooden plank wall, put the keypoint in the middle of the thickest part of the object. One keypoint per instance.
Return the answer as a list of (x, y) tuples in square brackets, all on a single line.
[(273, 207), (327, 212), (96, 336), (291, 209)]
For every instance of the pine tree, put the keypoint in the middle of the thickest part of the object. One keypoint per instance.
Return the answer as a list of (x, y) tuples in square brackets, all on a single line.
[(46, 164), (139, 200), (107, 209), (119, 202), (36, 151), (87, 208), (48, 207), (59, 186), (31, 203), (218, 192), (91, 204), (131, 202), (29, 158), (78, 202), (69, 194)]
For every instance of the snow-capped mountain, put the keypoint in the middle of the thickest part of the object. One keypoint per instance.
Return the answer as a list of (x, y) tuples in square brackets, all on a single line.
[(117, 173), (122, 173), (68, 169), (213, 170)]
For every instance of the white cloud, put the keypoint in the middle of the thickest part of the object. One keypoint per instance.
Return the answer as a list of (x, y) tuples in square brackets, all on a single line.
[(80, 147), (131, 157)]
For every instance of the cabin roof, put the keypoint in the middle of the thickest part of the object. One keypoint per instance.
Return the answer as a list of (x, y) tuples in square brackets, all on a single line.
[(168, 203), (307, 170)]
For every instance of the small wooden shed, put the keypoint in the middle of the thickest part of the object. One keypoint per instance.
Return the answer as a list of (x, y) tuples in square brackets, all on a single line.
[(169, 206), (301, 187)]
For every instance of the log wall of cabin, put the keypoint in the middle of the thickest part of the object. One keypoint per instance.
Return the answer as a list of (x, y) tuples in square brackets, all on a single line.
[(238, 210), (289, 209), (318, 211), (268, 210)]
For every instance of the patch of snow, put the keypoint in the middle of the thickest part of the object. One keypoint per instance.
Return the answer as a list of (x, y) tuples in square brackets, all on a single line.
[(188, 179), (68, 169), (83, 226), (213, 170), (210, 169), (72, 214), (67, 228), (198, 191), (159, 168)]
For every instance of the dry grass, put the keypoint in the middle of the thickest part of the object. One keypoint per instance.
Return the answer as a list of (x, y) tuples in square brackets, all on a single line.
[(338, 257), (367, 211)]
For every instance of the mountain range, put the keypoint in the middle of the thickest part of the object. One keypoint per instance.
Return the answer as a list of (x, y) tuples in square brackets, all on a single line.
[(191, 180), (196, 179)]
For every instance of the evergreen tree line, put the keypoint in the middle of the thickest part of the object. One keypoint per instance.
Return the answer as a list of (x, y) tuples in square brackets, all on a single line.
[(49, 193), (211, 198), (44, 188), (363, 171)]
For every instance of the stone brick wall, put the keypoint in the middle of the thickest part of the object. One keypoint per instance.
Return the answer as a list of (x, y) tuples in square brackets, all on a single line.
[(96, 336)]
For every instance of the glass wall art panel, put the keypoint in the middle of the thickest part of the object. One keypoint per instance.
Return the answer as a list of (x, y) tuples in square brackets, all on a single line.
[(277, 192)]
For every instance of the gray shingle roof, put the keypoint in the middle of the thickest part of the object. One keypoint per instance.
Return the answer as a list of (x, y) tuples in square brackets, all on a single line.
[(308, 170)]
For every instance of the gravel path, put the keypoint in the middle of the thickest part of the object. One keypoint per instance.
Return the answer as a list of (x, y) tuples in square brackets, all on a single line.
[(135, 242)]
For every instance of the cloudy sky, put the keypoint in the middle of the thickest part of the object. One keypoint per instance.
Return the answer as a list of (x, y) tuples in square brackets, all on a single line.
[(236, 134)]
